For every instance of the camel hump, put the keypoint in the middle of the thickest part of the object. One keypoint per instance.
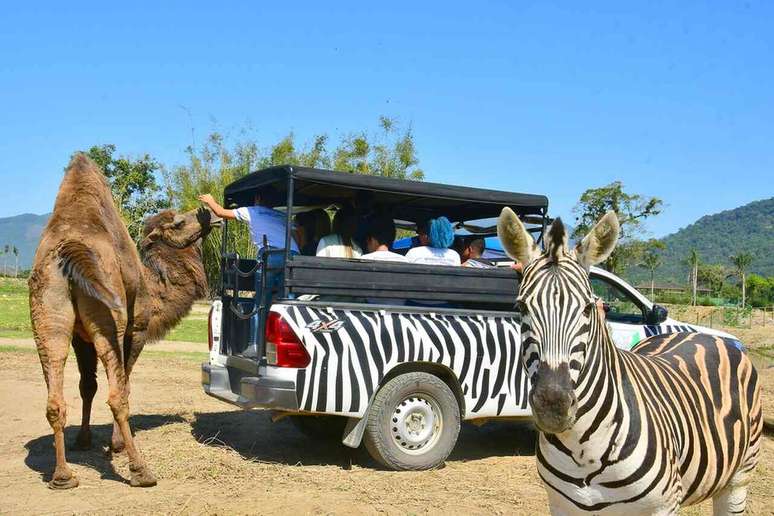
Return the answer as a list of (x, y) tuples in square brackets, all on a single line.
[(79, 264), (83, 171)]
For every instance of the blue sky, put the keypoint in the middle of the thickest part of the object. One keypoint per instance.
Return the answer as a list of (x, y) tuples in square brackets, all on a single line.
[(676, 99)]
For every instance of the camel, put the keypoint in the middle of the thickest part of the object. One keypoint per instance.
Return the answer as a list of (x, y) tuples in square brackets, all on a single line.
[(90, 287)]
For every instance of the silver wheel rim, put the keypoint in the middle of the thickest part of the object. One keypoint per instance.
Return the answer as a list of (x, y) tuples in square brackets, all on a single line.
[(416, 424)]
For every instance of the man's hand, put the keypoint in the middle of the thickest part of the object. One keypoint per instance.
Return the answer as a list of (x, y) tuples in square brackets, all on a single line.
[(208, 199), (216, 208)]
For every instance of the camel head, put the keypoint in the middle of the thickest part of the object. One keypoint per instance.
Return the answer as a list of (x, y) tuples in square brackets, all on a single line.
[(179, 230)]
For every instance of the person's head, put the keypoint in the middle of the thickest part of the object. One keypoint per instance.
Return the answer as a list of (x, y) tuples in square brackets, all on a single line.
[(345, 225), (266, 196), (304, 227), (422, 232), (474, 249), (380, 231), (440, 233), (560, 323), (322, 223), (311, 226)]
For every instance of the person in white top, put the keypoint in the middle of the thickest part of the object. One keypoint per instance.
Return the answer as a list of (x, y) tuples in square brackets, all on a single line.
[(341, 244), (379, 236), (441, 235)]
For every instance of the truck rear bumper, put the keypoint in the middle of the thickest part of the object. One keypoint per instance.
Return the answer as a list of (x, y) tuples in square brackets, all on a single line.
[(272, 388)]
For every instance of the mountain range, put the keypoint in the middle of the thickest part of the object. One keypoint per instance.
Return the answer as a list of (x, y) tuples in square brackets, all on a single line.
[(22, 231), (717, 237)]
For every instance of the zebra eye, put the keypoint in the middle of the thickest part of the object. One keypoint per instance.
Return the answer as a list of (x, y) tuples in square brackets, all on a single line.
[(588, 308)]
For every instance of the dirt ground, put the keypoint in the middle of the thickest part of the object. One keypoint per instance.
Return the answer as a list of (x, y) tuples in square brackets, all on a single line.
[(210, 458)]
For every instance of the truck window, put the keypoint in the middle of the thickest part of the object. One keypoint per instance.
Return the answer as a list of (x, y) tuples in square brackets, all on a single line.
[(623, 307)]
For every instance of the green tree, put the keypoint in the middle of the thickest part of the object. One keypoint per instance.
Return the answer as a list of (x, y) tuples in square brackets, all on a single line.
[(15, 252), (390, 152), (632, 210), (133, 182), (651, 260), (693, 260), (742, 262), (713, 276), (760, 290)]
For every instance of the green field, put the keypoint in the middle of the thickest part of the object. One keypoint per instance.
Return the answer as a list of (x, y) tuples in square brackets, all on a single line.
[(15, 315)]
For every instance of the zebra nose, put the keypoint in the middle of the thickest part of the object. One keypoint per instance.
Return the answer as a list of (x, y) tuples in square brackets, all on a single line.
[(553, 399)]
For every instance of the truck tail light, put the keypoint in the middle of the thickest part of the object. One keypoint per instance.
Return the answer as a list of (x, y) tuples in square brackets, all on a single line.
[(283, 347), (209, 328)]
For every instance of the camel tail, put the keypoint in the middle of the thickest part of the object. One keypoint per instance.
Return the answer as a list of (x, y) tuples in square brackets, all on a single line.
[(79, 264)]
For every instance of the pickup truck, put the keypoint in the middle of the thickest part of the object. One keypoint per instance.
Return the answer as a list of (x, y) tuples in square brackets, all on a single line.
[(323, 341)]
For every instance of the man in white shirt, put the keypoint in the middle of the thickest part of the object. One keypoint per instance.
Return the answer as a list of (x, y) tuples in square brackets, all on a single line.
[(261, 220), (380, 235)]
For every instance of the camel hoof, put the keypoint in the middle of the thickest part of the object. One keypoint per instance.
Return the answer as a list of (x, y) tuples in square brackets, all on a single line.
[(63, 483), (142, 477), (82, 442)]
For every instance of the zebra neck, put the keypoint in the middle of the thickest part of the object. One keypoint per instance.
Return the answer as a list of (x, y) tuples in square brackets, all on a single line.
[(598, 388)]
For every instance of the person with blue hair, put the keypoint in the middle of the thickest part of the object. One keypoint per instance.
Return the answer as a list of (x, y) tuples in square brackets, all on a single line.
[(441, 236)]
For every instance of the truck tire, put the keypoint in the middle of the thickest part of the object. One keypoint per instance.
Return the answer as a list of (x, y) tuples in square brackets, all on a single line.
[(413, 422)]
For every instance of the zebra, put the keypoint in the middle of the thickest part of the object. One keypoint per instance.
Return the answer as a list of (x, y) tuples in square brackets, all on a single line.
[(673, 422)]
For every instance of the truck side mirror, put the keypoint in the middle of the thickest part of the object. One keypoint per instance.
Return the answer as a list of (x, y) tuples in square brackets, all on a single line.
[(656, 315)]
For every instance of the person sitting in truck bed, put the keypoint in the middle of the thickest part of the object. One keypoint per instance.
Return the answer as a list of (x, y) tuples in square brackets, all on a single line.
[(311, 226), (380, 234), (441, 236), (471, 255), (341, 243)]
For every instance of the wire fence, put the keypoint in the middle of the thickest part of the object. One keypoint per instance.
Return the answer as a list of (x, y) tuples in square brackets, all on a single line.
[(734, 317)]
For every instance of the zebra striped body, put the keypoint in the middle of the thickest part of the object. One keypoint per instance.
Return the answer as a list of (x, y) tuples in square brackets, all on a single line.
[(673, 422)]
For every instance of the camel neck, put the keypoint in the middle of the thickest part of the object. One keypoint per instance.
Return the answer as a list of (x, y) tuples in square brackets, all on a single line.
[(174, 279)]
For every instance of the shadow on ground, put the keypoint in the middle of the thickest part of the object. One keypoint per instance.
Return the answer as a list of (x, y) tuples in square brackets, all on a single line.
[(254, 436), (41, 457)]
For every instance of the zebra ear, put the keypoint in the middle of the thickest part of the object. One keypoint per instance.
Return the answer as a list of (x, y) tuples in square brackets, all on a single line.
[(600, 242), (517, 242)]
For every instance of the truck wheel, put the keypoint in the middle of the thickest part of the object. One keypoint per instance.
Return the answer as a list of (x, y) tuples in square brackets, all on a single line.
[(413, 422)]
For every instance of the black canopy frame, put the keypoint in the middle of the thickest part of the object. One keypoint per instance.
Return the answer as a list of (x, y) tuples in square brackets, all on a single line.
[(409, 200), (292, 186)]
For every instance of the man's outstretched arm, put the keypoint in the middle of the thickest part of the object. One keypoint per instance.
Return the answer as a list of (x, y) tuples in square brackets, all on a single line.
[(216, 208)]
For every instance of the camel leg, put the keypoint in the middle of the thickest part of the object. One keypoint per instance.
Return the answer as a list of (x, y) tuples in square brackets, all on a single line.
[(56, 410), (130, 358), (87, 366), (52, 315), (117, 400)]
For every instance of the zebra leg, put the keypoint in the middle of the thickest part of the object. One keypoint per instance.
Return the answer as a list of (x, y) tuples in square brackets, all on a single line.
[(731, 500)]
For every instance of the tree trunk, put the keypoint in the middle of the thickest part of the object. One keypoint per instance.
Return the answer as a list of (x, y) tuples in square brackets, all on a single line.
[(694, 280), (652, 288), (743, 289), (16, 268)]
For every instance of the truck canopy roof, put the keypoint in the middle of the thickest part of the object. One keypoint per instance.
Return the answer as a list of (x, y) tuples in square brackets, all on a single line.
[(407, 200)]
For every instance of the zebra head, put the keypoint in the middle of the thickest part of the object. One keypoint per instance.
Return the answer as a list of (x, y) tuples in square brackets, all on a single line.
[(556, 304)]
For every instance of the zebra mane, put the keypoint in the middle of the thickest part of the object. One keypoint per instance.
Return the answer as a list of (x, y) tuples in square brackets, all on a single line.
[(557, 240)]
